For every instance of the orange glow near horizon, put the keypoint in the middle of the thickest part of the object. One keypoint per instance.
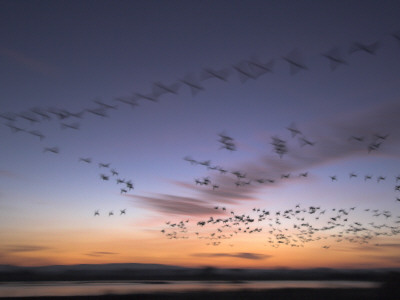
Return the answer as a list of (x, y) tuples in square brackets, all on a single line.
[(96, 248)]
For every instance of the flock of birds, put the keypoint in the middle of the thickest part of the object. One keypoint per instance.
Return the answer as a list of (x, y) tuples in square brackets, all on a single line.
[(334, 223), (110, 213), (246, 69), (374, 141), (294, 227), (127, 185), (280, 147)]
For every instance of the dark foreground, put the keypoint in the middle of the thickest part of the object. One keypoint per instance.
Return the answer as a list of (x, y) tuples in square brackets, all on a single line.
[(289, 294)]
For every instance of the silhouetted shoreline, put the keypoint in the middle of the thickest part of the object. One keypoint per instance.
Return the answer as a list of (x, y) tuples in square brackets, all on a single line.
[(289, 294), (154, 272)]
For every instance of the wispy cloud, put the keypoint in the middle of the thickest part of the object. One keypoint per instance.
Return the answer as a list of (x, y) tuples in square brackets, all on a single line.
[(389, 245), (243, 255), (226, 192), (171, 204), (389, 258), (363, 248), (100, 253), (24, 248)]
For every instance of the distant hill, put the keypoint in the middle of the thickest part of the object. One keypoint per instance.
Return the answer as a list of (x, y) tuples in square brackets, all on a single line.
[(137, 271)]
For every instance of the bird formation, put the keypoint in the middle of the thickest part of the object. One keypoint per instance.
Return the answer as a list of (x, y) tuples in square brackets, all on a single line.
[(246, 69), (295, 226), (280, 147), (292, 227), (242, 179), (126, 185), (36, 115), (227, 142), (110, 213)]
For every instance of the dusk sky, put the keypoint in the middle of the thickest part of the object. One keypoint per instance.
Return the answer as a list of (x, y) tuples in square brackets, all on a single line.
[(306, 89)]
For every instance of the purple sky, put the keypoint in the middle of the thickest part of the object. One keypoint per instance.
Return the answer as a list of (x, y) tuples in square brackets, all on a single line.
[(63, 56)]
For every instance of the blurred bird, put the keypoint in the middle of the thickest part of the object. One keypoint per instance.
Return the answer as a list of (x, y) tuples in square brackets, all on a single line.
[(335, 58), (370, 49), (53, 149), (294, 59)]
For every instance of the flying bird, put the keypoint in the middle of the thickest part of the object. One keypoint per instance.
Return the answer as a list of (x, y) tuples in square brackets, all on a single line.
[(294, 59), (244, 71), (227, 142), (98, 112), (380, 178), (71, 126), (40, 113), (210, 73), (335, 58), (60, 113), (370, 49), (191, 82), (259, 68), (9, 116), (86, 160), (357, 138), (129, 185), (151, 97), (28, 117), (160, 89), (37, 133), (293, 130), (15, 128), (191, 160), (130, 101), (381, 137), (304, 142), (351, 175), (105, 105), (104, 177), (53, 149)]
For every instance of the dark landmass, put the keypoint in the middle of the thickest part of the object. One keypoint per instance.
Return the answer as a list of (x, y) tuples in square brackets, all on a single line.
[(279, 294), (165, 272)]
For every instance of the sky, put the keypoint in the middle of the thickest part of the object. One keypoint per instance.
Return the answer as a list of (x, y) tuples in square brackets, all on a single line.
[(198, 111)]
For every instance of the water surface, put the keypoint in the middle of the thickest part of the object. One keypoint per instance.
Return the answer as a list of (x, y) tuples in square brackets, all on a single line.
[(73, 288)]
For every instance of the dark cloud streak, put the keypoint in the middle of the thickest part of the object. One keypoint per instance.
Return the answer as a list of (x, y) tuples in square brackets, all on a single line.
[(332, 143), (171, 204), (243, 255), (100, 253), (24, 248)]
